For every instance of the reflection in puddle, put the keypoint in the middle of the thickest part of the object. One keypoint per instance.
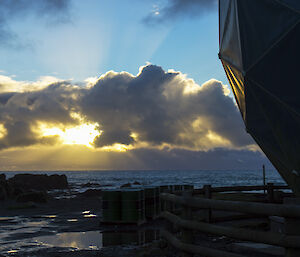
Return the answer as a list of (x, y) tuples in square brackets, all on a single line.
[(86, 212), (77, 240), (94, 240), (7, 219), (12, 251), (49, 216), (129, 237), (72, 220), (90, 216)]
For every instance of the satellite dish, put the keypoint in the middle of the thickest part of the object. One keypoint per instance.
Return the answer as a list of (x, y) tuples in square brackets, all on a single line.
[(259, 49)]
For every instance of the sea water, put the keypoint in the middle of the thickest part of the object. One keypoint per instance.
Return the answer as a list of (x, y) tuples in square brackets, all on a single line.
[(116, 178)]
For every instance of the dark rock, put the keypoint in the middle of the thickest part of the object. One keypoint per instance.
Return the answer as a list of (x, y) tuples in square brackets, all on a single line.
[(91, 193), (28, 205), (126, 185), (39, 182), (136, 183), (2, 177), (90, 185), (3, 193), (36, 197), (16, 191)]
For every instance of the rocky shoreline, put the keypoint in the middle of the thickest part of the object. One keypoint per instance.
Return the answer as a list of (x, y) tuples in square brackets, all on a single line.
[(36, 206)]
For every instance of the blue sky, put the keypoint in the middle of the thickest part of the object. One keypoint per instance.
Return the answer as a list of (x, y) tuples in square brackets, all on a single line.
[(117, 85), (111, 35)]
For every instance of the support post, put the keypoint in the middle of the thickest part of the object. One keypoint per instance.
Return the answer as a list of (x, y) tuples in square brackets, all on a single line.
[(187, 235), (292, 227), (264, 177), (270, 191), (208, 195)]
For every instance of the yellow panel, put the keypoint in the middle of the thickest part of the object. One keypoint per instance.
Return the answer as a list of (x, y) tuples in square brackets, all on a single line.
[(237, 84)]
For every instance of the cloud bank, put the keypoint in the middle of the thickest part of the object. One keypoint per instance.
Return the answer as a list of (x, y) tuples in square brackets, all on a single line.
[(154, 109)]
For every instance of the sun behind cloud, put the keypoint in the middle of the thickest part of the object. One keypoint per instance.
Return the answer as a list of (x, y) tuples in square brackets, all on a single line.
[(83, 134)]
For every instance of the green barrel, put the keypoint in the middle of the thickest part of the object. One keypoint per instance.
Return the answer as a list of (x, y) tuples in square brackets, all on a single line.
[(164, 189), (188, 187), (130, 238), (157, 201), (150, 202), (143, 204), (165, 206), (111, 205), (132, 209), (111, 238), (177, 188)]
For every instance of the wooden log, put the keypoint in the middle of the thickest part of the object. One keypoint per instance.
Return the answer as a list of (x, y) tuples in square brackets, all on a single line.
[(208, 195), (196, 249), (270, 192), (187, 234), (264, 177), (267, 209), (239, 188), (236, 233)]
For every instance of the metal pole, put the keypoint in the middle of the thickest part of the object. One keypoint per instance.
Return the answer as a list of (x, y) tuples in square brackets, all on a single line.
[(264, 177)]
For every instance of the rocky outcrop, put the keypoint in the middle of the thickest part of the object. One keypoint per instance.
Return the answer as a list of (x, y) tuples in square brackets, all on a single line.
[(38, 182), (3, 185), (125, 185), (33, 196), (89, 184), (91, 193), (2, 177)]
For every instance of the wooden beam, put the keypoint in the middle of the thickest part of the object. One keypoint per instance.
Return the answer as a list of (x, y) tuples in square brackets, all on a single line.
[(267, 209), (239, 188), (236, 233), (196, 249)]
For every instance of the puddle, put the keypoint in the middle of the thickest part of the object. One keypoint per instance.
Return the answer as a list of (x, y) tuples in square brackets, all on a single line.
[(77, 240), (90, 216), (30, 231), (95, 240), (23, 227), (72, 220)]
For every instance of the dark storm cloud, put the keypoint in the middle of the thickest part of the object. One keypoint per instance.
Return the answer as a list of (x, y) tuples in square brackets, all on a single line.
[(52, 11), (181, 8), (182, 159), (21, 112), (155, 109), (162, 108)]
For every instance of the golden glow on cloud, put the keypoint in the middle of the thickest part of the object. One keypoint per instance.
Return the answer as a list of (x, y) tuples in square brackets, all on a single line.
[(8, 84), (117, 148), (217, 139), (2, 131), (83, 134)]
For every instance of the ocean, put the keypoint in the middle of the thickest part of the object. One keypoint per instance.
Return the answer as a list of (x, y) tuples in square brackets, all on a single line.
[(116, 178)]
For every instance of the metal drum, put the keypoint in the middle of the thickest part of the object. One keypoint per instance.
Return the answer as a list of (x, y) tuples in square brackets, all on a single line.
[(132, 205), (150, 202), (111, 205), (165, 206), (188, 187)]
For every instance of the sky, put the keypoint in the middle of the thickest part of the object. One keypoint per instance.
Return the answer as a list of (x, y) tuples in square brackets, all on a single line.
[(117, 84)]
